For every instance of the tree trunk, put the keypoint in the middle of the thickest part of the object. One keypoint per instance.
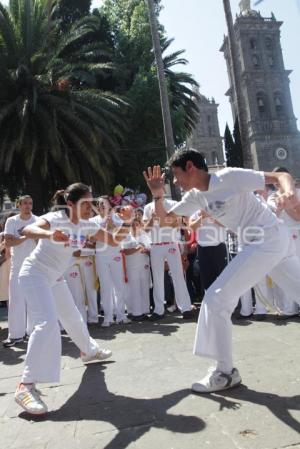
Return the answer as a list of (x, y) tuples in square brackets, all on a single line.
[(34, 186)]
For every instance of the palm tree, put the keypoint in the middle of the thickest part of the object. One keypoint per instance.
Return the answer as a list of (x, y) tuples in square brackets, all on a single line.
[(181, 85), (55, 126)]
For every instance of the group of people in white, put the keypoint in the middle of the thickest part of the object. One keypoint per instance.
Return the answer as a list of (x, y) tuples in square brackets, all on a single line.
[(59, 259)]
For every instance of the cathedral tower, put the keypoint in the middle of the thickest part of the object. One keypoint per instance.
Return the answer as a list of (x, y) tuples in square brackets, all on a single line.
[(272, 129)]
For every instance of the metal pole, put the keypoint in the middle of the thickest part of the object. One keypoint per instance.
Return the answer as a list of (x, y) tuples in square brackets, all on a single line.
[(164, 98), (237, 86)]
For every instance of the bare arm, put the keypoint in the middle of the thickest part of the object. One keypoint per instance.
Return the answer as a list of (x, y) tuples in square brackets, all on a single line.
[(41, 230), (155, 181), (287, 199), (11, 240)]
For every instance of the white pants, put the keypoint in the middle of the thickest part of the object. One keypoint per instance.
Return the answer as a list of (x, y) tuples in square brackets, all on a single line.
[(246, 301), (275, 255), (47, 304), (19, 322), (171, 253), (81, 281), (112, 283), (138, 272), (287, 304)]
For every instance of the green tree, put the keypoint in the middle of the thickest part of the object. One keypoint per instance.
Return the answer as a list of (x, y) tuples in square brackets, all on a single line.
[(69, 11), (55, 126), (233, 147), (136, 78)]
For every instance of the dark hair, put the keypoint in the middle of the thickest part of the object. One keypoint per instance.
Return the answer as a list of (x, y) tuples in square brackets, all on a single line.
[(280, 170), (22, 198), (181, 157), (73, 193)]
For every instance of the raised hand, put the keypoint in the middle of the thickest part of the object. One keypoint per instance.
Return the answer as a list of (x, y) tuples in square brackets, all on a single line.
[(155, 180)]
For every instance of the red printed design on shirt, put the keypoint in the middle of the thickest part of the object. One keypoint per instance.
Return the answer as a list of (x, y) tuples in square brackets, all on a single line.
[(172, 251), (73, 275), (88, 263)]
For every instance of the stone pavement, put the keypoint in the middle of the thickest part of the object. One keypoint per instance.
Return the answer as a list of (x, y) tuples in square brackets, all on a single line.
[(141, 397)]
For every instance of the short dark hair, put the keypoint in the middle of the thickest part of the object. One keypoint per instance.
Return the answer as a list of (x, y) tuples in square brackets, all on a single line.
[(73, 192), (181, 157)]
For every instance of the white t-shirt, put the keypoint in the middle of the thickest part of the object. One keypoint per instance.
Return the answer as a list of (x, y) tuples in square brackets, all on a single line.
[(209, 233), (53, 258), (158, 234), (14, 226), (229, 200)]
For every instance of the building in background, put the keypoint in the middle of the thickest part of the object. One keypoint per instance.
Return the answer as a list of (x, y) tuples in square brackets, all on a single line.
[(272, 126), (206, 136)]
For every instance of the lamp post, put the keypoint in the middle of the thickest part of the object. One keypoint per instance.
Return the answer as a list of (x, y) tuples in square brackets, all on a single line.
[(237, 86), (164, 98)]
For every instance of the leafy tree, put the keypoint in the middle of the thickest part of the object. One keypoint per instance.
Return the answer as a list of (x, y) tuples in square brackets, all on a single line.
[(233, 147), (136, 78), (55, 126), (69, 11)]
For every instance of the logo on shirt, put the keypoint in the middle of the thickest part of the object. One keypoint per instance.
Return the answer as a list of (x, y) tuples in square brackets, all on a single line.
[(88, 263), (172, 251), (117, 259), (74, 275), (216, 208)]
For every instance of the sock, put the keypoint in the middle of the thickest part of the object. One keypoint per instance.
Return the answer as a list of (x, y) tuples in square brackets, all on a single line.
[(224, 367)]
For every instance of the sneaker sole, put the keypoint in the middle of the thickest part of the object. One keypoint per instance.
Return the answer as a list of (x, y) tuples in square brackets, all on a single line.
[(97, 360), (30, 412), (219, 389)]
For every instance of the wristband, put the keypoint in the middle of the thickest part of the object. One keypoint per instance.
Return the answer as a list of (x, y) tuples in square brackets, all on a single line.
[(126, 225)]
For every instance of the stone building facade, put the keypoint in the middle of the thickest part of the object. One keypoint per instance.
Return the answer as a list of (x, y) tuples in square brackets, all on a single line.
[(272, 127), (206, 134)]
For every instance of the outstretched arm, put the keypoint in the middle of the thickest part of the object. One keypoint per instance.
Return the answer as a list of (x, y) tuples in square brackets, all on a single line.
[(155, 181)]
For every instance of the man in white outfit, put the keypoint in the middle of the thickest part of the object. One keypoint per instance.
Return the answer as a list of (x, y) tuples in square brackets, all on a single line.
[(227, 196), (165, 247), (21, 247)]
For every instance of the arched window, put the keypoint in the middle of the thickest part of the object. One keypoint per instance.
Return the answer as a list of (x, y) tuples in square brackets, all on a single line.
[(255, 61), (279, 104), (261, 103), (271, 60), (214, 158), (253, 43), (268, 43)]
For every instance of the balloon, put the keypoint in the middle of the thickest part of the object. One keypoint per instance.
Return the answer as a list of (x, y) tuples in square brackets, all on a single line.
[(118, 190)]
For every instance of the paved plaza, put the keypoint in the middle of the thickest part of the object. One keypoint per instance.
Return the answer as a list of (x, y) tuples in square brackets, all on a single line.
[(141, 398)]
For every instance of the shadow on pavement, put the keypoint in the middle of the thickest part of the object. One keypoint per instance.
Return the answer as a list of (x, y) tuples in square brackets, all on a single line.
[(132, 417), (280, 406)]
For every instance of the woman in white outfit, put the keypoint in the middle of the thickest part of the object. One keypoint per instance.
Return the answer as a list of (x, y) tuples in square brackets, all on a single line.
[(18, 320), (137, 248), (48, 300), (110, 266)]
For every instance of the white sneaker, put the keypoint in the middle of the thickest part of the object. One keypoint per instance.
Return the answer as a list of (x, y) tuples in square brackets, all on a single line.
[(29, 398), (124, 320), (172, 308), (216, 381), (106, 323), (102, 354)]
